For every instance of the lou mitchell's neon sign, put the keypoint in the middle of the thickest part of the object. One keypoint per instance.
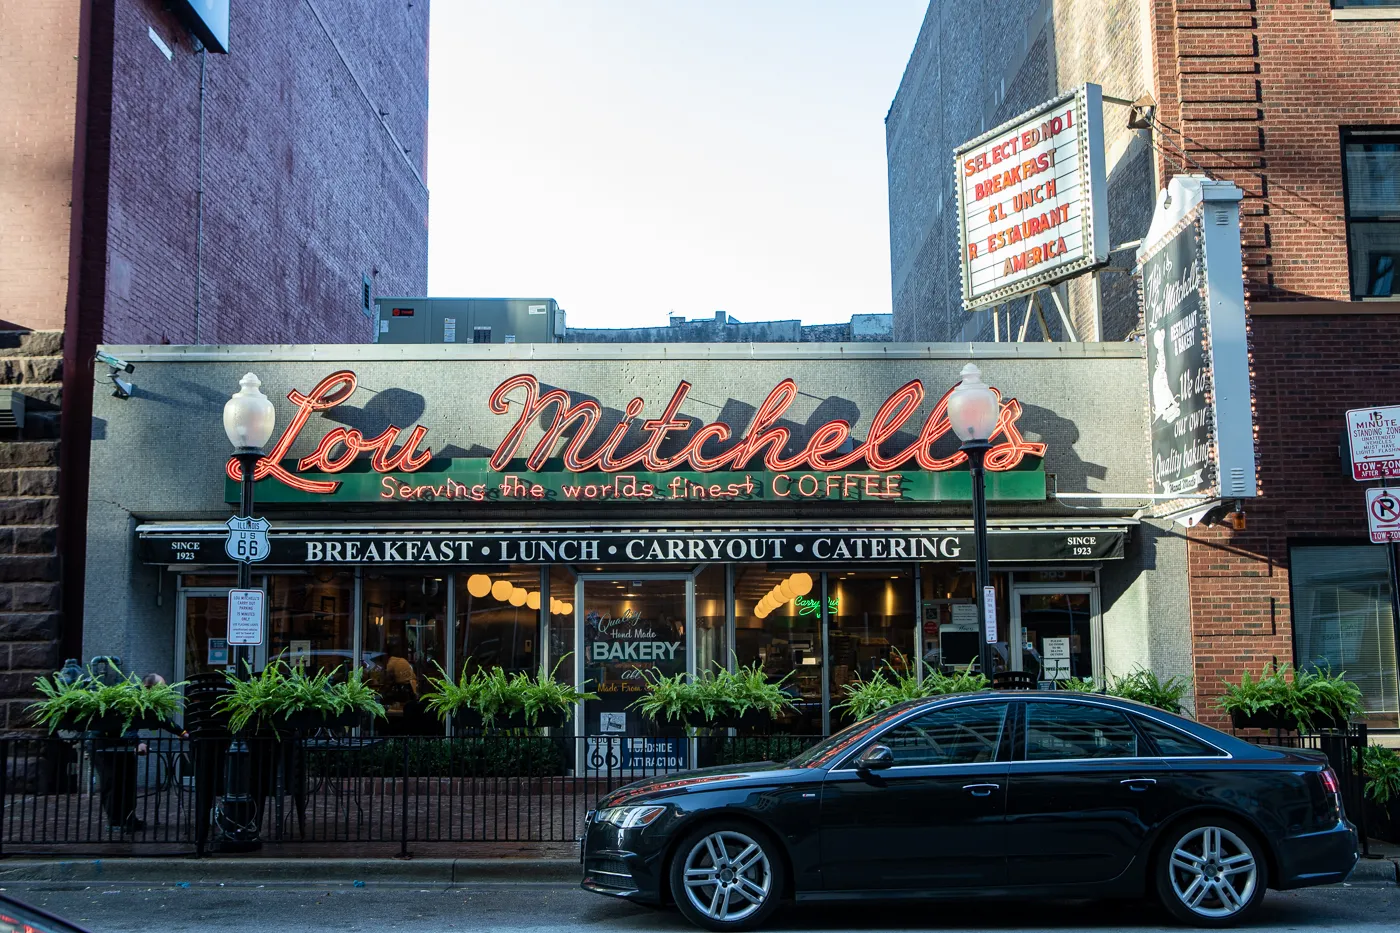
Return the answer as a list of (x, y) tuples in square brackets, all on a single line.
[(712, 447)]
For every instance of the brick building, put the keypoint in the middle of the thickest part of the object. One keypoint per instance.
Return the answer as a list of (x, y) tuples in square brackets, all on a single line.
[(1293, 102), (153, 192)]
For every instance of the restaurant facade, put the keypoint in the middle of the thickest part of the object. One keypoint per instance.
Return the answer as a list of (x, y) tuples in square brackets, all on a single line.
[(612, 511)]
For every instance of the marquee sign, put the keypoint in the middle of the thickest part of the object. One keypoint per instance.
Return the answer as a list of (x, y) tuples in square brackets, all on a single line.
[(1032, 199), (775, 546), (711, 462)]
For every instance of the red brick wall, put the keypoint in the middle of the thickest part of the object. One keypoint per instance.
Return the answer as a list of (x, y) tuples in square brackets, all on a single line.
[(1260, 89), (306, 185), (1308, 371)]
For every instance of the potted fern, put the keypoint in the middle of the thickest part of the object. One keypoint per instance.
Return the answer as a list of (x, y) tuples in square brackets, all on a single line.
[(1287, 700), (111, 710), (1146, 687), (677, 699), (490, 697), (751, 701), (284, 697), (1380, 768), (890, 685)]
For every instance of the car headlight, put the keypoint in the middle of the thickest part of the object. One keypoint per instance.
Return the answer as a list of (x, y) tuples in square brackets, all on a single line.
[(629, 817)]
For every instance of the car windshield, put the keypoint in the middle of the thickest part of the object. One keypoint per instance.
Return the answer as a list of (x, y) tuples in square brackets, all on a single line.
[(826, 752)]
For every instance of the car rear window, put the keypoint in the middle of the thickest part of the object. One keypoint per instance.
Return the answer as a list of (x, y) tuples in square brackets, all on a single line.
[(1057, 731), (1173, 743)]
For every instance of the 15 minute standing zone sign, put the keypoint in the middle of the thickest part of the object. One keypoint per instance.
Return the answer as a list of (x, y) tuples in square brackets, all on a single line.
[(1374, 434)]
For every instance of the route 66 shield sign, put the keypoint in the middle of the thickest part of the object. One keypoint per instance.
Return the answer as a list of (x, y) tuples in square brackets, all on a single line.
[(247, 539)]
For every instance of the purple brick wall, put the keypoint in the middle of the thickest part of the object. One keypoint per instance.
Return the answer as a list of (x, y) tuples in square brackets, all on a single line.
[(307, 186)]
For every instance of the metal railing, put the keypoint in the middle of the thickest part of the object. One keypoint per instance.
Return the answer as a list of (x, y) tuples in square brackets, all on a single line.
[(116, 796)]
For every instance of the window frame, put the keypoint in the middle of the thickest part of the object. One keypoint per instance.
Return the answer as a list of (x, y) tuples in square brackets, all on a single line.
[(1353, 134), (1005, 747), (1024, 733)]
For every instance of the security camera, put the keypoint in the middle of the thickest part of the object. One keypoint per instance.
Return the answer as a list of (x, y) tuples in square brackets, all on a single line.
[(117, 364), (123, 389)]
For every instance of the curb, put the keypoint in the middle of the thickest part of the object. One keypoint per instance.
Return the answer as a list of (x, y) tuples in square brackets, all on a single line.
[(251, 871), (1375, 871)]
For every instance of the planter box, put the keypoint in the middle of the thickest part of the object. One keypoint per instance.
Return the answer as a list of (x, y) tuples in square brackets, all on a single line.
[(753, 720), (303, 721), (1274, 721), (1381, 825), (110, 725), (1264, 719)]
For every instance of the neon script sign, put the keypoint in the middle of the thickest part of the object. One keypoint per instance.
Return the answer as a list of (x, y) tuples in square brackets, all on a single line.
[(712, 447)]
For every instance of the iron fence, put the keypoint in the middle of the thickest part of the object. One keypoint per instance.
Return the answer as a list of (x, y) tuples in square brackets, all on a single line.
[(158, 795), (118, 796)]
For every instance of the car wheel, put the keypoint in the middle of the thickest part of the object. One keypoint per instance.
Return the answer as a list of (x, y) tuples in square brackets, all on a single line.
[(727, 876), (1211, 872)]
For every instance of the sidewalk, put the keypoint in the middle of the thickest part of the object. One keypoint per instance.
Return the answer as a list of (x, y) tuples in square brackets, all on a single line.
[(265, 871)]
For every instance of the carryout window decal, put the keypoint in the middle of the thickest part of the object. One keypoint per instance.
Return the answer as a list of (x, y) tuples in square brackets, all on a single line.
[(713, 461)]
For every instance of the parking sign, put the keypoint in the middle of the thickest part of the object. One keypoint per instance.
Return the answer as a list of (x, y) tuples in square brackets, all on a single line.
[(1375, 442), (1383, 514)]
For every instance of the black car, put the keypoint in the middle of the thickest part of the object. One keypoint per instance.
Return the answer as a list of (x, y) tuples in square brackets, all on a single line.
[(995, 793)]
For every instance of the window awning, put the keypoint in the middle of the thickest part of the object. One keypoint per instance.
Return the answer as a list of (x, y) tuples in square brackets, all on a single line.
[(446, 543)]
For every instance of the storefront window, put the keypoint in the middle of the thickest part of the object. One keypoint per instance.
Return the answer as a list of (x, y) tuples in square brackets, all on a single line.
[(1056, 634), (403, 641), (1343, 619), (949, 632), (498, 619), (871, 625), (710, 647), (561, 622), (786, 641), (311, 620), (633, 630)]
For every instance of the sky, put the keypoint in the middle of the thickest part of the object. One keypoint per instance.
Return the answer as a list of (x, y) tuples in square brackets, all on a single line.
[(637, 159)]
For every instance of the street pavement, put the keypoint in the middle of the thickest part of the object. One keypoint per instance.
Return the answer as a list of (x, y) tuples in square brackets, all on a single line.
[(540, 907)]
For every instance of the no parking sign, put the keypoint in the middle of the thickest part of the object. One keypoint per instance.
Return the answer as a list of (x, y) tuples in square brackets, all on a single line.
[(1383, 514)]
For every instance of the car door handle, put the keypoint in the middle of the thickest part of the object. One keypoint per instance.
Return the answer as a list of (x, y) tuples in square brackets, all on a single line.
[(981, 790), (1139, 783)]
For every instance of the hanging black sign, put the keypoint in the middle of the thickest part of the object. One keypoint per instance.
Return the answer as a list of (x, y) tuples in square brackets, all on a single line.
[(1174, 312), (568, 546)]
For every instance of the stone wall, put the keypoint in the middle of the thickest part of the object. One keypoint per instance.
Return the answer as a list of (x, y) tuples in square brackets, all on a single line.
[(30, 597)]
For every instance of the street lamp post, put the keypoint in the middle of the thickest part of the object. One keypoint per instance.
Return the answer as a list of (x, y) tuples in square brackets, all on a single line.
[(974, 409), (248, 421)]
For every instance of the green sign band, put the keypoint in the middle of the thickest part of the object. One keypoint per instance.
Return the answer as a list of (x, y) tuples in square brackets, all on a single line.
[(470, 480)]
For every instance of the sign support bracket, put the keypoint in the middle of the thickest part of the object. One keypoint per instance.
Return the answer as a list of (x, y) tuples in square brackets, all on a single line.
[(1064, 317), (1026, 321)]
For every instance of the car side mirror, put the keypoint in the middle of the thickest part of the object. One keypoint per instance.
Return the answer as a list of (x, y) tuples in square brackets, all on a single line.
[(875, 758)]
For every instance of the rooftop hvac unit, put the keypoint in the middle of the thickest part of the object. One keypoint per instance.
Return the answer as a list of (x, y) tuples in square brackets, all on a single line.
[(469, 320)]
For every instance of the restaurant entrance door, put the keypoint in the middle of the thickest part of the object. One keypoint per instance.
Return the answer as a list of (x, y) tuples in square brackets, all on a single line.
[(633, 628), (1059, 631)]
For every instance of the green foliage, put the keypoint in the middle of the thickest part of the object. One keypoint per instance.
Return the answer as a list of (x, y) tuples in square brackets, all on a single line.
[(1381, 768), (1077, 684), (1302, 697), (1144, 686), (889, 685), (673, 697), (492, 692), (81, 704), (279, 691), (748, 688), (937, 683), (711, 695)]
